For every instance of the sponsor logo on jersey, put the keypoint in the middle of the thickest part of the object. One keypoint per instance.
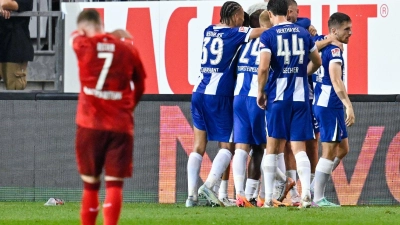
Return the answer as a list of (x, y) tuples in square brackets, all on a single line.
[(243, 29), (335, 52)]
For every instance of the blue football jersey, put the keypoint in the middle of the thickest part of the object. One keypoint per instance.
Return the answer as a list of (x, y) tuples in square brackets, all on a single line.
[(247, 69), (290, 46), (303, 22), (324, 94), (218, 66)]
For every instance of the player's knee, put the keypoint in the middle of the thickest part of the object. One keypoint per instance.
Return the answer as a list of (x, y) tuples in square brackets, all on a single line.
[(111, 178), (90, 179)]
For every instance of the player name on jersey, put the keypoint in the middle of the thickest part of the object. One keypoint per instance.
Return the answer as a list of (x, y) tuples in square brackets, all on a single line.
[(287, 30), (105, 47), (290, 70), (252, 69)]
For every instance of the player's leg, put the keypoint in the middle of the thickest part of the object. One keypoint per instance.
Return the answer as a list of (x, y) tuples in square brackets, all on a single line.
[(199, 148), (333, 132), (218, 114), (223, 189), (118, 165), (301, 130), (194, 165), (90, 160), (312, 153), (245, 113), (341, 152), (254, 173), (290, 163), (323, 171)]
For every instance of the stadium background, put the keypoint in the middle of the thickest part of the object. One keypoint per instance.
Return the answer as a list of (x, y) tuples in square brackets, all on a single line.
[(37, 158)]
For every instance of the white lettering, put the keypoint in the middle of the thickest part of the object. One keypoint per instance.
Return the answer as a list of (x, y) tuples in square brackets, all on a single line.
[(209, 70), (291, 70), (107, 95), (288, 30), (105, 47)]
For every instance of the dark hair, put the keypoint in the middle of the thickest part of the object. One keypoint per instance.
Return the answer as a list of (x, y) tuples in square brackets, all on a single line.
[(338, 19), (278, 7), (291, 2), (246, 21), (255, 18), (228, 9), (89, 15)]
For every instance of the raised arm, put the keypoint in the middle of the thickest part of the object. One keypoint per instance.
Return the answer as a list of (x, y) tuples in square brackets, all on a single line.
[(256, 32), (335, 73)]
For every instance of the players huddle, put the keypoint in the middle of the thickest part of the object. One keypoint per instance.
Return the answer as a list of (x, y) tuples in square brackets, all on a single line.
[(255, 97)]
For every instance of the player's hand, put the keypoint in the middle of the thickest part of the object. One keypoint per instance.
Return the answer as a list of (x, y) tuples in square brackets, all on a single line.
[(350, 119), (261, 100), (5, 13), (312, 30), (119, 33)]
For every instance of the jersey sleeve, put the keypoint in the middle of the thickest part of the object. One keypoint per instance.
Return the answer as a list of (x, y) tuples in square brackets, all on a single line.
[(312, 44), (303, 22), (138, 76), (335, 55), (265, 42), (318, 38)]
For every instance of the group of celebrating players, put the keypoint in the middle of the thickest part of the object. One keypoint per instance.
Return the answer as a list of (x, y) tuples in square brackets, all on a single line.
[(270, 89)]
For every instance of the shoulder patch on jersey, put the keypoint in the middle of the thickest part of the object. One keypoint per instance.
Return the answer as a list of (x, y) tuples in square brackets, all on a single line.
[(243, 29), (335, 52)]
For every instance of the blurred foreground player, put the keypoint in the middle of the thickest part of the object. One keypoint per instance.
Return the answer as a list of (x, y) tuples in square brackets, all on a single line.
[(112, 82)]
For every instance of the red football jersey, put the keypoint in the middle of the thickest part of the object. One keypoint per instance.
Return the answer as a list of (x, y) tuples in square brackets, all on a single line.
[(112, 81)]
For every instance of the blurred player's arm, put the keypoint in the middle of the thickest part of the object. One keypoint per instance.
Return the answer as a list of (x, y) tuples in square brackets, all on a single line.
[(315, 62), (335, 73), (256, 32), (10, 5), (325, 42), (138, 77), (263, 69), (119, 33)]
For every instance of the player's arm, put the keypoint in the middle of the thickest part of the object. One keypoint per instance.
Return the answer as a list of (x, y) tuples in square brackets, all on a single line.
[(256, 32), (324, 42), (263, 70), (315, 62), (335, 73), (119, 33), (10, 5)]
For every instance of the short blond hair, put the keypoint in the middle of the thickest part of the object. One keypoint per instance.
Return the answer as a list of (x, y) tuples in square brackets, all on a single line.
[(264, 19)]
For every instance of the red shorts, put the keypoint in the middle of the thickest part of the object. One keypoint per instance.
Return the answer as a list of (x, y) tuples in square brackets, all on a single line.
[(96, 149)]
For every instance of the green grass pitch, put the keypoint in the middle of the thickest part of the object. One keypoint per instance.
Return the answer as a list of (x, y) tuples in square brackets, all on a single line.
[(26, 213)]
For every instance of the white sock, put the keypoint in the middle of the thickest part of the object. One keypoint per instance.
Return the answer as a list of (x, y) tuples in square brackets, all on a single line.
[(217, 184), (292, 174), (251, 188), (262, 182), (269, 166), (322, 174), (219, 165), (281, 162), (223, 189), (280, 176), (304, 171), (258, 189), (239, 164), (193, 170), (312, 181), (336, 163)]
